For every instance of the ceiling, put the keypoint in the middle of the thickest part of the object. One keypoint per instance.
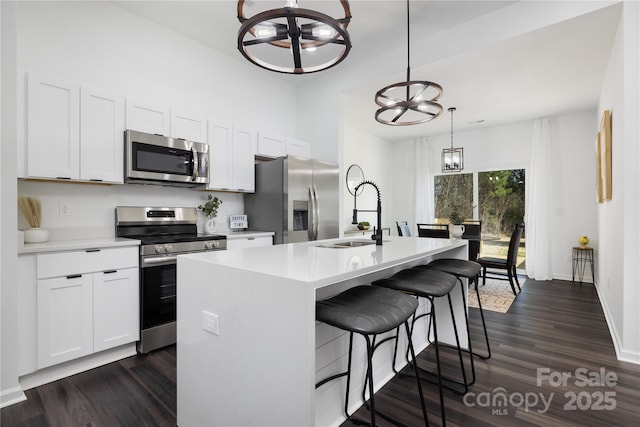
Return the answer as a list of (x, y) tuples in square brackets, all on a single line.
[(549, 71)]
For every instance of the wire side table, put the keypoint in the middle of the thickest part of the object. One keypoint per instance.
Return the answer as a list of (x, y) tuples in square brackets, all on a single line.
[(582, 256)]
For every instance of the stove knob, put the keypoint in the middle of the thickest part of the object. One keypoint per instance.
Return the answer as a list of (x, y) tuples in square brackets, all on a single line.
[(159, 249), (168, 248), (208, 245)]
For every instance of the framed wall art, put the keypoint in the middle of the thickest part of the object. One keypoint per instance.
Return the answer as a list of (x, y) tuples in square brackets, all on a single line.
[(603, 161)]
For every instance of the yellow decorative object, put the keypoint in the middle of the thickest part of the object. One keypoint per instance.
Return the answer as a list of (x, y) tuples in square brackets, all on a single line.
[(583, 240)]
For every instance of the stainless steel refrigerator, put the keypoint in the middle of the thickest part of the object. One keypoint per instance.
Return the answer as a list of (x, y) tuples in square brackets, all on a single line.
[(295, 197)]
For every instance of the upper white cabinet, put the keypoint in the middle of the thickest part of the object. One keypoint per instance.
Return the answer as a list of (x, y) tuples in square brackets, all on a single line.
[(148, 118), (188, 126), (220, 155), (243, 165), (270, 145), (73, 132), (101, 135), (53, 123), (298, 148), (231, 152)]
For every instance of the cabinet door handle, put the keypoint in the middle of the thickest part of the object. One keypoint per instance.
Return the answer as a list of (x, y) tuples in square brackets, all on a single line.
[(251, 238), (92, 250), (74, 276), (110, 271)]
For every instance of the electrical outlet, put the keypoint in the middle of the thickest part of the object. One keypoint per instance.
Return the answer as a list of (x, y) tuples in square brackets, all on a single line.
[(210, 322), (64, 209)]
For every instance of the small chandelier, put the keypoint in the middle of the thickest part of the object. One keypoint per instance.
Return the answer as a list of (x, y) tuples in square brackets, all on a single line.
[(305, 41), (411, 102), (452, 159)]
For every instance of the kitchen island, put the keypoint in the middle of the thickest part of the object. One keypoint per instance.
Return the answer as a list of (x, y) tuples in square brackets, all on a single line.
[(249, 350)]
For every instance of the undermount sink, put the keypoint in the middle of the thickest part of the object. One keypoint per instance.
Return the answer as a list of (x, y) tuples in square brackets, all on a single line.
[(347, 244)]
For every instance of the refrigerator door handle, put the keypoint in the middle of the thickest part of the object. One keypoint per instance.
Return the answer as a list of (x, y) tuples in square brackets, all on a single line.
[(312, 215), (316, 214)]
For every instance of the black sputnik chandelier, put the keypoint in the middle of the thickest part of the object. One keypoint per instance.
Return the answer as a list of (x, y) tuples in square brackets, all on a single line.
[(410, 102), (292, 39)]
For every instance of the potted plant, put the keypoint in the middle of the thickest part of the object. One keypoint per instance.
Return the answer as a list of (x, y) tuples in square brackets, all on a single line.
[(363, 225), (32, 212), (210, 210), (456, 218)]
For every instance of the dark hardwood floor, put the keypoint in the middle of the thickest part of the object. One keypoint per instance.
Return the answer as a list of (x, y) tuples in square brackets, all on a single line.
[(555, 327)]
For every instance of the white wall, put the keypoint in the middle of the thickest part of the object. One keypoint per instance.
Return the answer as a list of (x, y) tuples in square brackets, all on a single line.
[(618, 219), (374, 157), (509, 147), (10, 390)]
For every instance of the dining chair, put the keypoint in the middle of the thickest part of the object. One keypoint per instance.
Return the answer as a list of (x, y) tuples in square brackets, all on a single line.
[(438, 231), (403, 228), (508, 264), (473, 233)]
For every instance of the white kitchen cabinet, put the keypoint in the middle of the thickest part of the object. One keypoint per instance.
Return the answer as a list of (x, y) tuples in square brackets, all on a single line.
[(65, 319), (73, 132), (231, 157), (188, 126), (220, 155), (249, 242), (243, 171), (270, 145), (87, 301), (145, 117), (101, 136), (298, 148), (53, 123), (115, 308)]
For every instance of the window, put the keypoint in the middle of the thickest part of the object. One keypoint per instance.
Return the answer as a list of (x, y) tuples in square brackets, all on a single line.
[(494, 197)]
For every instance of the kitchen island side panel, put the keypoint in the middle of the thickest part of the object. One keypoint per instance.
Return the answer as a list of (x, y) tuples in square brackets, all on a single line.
[(235, 378)]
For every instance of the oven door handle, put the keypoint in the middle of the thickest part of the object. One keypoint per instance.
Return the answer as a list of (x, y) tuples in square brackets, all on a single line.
[(161, 260)]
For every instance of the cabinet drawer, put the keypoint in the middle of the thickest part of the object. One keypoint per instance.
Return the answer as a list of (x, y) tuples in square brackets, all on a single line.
[(91, 260), (249, 242)]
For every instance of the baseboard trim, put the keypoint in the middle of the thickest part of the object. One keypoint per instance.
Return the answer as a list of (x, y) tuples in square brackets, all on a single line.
[(63, 370), (12, 396)]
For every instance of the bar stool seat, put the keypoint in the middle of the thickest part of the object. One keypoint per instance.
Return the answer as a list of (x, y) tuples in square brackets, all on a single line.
[(366, 310), (369, 310), (457, 267)]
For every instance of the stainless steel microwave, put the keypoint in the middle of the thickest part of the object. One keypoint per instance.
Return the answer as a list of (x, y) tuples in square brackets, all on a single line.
[(160, 160)]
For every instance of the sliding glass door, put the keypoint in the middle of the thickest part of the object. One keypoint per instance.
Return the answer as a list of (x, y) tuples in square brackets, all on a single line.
[(496, 198)]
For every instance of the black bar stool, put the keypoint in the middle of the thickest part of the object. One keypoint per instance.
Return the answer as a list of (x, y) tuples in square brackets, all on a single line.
[(369, 311), (430, 284), (469, 270)]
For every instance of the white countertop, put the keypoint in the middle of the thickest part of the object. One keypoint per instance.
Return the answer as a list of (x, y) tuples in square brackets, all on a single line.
[(78, 244), (311, 263), (247, 234)]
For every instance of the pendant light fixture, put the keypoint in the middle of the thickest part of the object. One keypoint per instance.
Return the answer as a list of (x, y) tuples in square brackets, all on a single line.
[(411, 102), (452, 158), (294, 40)]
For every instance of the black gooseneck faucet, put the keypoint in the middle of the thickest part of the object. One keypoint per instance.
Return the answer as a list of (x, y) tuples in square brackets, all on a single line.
[(377, 236)]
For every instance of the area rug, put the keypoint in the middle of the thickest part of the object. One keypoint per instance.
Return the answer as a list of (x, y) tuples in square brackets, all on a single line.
[(496, 295)]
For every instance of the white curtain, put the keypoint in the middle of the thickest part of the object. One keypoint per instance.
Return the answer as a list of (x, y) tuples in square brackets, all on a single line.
[(537, 224), (424, 198)]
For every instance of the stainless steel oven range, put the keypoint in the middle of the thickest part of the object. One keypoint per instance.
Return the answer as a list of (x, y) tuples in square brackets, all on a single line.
[(165, 233)]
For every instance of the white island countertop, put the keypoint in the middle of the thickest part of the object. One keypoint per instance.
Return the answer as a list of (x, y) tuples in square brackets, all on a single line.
[(249, 350), (317, 265)]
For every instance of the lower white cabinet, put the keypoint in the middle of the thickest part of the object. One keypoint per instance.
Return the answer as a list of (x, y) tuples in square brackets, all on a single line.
[(65, 319), (115, 308), (249, 242), (87, 301)]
